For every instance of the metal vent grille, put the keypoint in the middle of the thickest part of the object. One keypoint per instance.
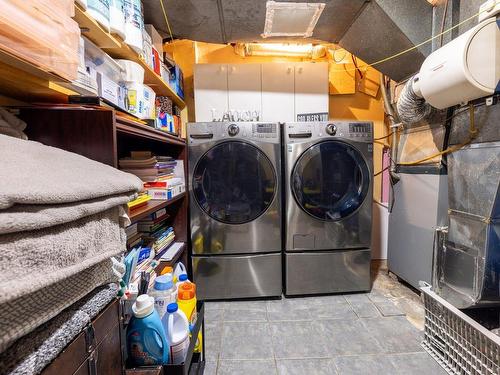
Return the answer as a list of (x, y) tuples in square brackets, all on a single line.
[(291, 19)]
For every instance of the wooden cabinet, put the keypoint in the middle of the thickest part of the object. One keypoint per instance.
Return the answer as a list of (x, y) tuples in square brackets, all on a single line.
[(244, 86), (95, 351), (278, 81), (101, 134), (279, 91), (311, 88), (211, 85)]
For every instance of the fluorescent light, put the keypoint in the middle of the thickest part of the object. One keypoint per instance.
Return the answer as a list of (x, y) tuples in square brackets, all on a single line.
[(275, 49)]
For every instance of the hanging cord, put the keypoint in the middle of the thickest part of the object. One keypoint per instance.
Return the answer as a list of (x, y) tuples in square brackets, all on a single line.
[(472, 135), (355, 62), (420, 44), (166, 20)]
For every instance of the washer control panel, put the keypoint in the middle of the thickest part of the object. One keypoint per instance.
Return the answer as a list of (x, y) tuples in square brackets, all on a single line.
[(264, 130)]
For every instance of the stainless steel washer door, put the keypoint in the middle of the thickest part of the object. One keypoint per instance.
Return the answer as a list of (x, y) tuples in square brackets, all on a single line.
[(234, 182), (330, 180)]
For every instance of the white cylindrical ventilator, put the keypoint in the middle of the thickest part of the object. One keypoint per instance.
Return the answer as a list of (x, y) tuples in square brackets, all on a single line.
[(464, 69)]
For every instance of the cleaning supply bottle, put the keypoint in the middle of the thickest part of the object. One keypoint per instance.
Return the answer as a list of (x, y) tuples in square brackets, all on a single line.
[(186, 299), (167, 270), (177, 331), (146, 339), (179, 270), (164, 292), (183, 278)]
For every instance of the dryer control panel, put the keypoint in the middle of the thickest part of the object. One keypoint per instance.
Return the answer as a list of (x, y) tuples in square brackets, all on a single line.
[(202, 132), (299, 132)]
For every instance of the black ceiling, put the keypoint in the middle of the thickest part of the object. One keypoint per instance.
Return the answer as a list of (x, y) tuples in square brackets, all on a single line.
[(371, 29), (227, 21)]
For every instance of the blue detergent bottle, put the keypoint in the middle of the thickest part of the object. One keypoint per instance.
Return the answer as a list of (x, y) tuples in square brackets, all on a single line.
[(146, 340)]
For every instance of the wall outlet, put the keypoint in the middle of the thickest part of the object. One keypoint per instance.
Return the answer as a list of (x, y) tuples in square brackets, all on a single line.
[(488, 9)]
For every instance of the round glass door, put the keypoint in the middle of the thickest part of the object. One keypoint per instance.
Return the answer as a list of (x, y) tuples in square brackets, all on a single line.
[(330, 180), (234, 182)]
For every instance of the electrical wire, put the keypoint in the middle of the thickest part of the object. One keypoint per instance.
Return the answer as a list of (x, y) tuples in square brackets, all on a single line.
[(472, 135), (166, 20), (385, 136), (422, 43), (382, 171)]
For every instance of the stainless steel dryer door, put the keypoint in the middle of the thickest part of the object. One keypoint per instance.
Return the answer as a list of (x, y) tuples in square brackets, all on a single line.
[(329, 195), (235, 198)]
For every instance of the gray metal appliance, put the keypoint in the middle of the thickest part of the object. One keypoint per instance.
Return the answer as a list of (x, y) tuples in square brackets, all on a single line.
[(328, 172), (416, 213), (468, 261), (235, 206)]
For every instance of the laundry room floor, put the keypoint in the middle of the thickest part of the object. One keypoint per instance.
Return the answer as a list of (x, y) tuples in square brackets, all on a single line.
[(376, 333)]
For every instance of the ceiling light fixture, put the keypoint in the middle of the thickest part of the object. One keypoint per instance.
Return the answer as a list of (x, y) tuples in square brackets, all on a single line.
[(275, 49), (291, 19)]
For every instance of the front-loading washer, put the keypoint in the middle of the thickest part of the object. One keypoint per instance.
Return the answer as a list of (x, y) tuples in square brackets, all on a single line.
[(235, 209), (328, 189)]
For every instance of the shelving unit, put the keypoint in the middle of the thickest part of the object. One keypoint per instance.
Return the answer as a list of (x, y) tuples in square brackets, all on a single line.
[(114, 46), (151, 207), (103, 135), (23, 80)]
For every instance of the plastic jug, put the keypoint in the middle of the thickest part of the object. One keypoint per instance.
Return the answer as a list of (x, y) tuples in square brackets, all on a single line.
[(177, 331), (179, 270), (146, 339), (164, 293), (186, 299)]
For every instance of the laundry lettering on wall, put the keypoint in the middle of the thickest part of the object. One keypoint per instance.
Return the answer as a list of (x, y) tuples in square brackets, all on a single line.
[(311, 117)]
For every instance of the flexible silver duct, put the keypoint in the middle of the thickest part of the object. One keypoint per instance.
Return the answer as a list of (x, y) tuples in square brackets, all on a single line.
[(411, 107)]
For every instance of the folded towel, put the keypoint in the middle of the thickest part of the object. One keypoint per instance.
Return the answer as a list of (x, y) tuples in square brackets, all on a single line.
[(32, 173), (44, 271), (32, 353), (27, 217)]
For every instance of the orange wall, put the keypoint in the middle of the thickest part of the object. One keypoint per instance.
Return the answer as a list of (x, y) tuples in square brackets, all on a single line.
[(357, 106)]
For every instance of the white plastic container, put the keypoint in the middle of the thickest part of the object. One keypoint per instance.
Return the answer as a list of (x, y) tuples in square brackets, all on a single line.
[(179, 269), (133, 72), (177, 330), (99, 10), (149, 97), (117, 18), (134, 24), (164, 293)]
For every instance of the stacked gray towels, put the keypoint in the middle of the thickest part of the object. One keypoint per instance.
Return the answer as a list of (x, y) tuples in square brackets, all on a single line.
[(61, 222)]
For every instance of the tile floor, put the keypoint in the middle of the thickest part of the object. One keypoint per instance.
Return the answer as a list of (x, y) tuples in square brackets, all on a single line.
[(340, 334)]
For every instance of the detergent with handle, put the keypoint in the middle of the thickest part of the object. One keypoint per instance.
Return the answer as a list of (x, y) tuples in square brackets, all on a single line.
[(177, 330), (146, 339), (186, 299), (164, 292), (179, 269)]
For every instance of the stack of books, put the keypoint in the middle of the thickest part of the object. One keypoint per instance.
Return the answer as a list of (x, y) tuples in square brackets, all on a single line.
[(168, 188), (134, 238), (148, 167), (160, 239)]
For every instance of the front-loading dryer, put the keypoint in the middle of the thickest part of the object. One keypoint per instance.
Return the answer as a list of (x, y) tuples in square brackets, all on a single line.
[(328, 186), (235, 207)]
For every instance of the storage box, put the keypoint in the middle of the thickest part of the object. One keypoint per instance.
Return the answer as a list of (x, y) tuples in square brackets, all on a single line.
[(177, 81), (157, 40)]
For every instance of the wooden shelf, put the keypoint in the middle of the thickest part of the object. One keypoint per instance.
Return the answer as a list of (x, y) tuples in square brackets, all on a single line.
[(23, 80), (92, 30), (114, 46), (152, 206), (128, 126)]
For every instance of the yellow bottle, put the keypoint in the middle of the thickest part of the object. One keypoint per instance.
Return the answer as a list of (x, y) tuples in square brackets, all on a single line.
[(186, 299)]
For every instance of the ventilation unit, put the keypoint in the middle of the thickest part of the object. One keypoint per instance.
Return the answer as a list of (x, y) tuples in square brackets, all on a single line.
[(291, 19)]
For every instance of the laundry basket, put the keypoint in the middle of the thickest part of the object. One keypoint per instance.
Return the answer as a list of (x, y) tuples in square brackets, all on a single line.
[(457, 342)]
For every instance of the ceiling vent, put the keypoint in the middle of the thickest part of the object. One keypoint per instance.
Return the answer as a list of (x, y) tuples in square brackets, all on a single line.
[(291, 19)]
